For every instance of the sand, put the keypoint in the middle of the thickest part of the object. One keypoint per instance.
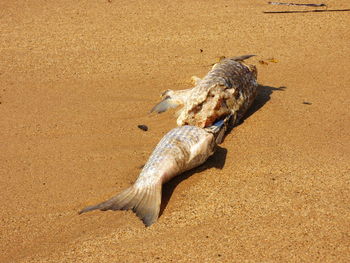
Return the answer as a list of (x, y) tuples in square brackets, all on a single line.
[(77, 77)]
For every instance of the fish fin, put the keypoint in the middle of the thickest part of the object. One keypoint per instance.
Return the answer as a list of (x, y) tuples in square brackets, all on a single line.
[(164, 105), (242, 58), (172, 99), (195, 80), (145, 202)]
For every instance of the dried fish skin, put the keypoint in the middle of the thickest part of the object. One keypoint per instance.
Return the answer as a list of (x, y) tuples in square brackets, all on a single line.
[(229, 88)]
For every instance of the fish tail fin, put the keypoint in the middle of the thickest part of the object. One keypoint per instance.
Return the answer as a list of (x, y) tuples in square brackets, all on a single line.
[(145, 202), (242, 58)]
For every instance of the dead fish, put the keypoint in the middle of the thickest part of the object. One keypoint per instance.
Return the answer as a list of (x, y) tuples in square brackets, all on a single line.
[(230, 87), (181, 149)]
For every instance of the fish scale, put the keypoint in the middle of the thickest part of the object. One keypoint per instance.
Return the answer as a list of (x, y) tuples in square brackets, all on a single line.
[(174, 147)]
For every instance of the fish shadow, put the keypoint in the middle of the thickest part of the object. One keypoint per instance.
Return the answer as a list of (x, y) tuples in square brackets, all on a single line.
[(218, 159), (263, 96)]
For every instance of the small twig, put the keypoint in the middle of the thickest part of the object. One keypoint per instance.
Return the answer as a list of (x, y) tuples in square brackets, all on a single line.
[(306, 11), (293, 4)]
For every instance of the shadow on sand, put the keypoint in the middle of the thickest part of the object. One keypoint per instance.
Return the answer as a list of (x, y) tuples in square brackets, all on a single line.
[(264, 95), (217, 160)]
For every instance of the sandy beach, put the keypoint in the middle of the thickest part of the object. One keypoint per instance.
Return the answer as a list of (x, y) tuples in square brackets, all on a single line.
[(77, 77)]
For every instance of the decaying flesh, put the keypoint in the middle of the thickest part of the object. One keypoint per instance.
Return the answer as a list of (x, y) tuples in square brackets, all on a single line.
[(181, 149), (229, 88)]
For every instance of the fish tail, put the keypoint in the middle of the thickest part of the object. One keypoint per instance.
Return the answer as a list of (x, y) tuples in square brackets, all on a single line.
[(242, 58), (145, 202)]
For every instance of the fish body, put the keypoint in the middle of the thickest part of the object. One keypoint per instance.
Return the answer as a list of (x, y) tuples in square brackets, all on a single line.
[(230, 87), (181, 149)]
